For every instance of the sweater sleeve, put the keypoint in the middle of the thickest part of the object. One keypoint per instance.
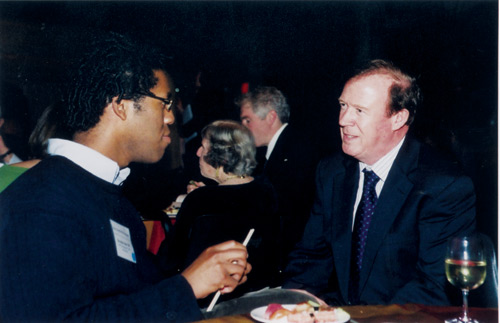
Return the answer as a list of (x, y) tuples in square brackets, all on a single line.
[(171, 300), (51, 270)]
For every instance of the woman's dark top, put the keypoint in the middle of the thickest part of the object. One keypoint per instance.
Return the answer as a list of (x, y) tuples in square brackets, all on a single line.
[(213, 214)]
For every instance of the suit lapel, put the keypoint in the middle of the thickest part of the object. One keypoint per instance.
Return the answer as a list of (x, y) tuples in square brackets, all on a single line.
[(391, 200), (344, 195), (278, 156)]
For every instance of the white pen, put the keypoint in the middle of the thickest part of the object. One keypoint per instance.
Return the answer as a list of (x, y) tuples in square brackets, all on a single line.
[(217, 295)]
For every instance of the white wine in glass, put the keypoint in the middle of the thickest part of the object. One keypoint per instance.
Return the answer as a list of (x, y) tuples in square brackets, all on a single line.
[(465, 266)]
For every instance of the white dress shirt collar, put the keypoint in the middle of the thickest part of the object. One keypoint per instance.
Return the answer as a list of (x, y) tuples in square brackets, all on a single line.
[(384, 164), (381, 168), (89, 159), (274, 139)]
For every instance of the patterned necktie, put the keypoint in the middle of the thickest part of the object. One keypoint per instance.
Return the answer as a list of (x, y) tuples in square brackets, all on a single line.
[(364, 214)]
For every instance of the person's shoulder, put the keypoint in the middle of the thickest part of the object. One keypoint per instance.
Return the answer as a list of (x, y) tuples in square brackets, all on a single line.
[(53, 175), (294, 136), (54, 162), (434, 160), (7, 170), (28, 168), (262, 184), (8, 174), (336, 160), (57, 167), (27, 163), (300, 145), (261, 180), (46, 181), (437, 169), (202, 193)]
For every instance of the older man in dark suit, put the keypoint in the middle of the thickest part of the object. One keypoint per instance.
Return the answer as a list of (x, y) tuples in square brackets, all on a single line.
[(290, 160), (385, 207)]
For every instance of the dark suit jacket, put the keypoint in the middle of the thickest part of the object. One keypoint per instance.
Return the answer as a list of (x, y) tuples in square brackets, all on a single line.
[(424, 201), (291, 168)]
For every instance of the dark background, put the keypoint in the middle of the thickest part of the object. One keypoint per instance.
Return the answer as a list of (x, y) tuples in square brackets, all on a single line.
[(305, 48)]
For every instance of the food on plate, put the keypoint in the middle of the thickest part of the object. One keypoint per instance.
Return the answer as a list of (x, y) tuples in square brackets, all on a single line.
[(305, 307), (302, 317), (275, 312), (279, 314), (307, 312), (326, 315), (171, 210)]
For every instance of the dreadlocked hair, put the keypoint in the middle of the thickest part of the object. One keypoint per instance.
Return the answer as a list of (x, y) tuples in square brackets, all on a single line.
[(114, 67)]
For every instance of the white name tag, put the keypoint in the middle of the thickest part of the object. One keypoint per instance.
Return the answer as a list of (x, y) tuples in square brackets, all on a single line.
[(124, 247)]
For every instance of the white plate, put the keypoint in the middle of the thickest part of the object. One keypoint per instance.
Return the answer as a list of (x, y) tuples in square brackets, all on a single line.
[(258, 314)]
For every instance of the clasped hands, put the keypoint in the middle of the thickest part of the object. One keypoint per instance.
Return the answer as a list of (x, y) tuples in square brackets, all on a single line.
[(221, 267)]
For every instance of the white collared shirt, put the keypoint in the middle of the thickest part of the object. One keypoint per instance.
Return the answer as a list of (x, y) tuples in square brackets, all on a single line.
[(14, 159), (273, 141), (381, 168), (89, 159)]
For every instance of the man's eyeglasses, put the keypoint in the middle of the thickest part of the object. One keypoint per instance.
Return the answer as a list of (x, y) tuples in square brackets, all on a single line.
[(166, 102)]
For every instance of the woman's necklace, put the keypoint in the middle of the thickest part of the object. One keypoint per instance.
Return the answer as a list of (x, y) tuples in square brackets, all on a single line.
[(233, 177), (237, 179)]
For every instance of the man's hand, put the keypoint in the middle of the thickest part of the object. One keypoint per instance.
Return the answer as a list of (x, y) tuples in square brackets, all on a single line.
[(220, 267)]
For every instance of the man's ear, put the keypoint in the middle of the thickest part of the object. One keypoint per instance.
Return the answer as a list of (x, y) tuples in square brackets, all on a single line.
[(271, 117), (399, 119), (119, 109)]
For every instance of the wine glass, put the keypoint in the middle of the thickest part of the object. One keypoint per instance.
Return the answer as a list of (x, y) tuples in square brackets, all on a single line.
[(465, 266)]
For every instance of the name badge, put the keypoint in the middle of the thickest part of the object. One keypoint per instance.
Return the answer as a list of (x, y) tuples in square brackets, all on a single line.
[(124, 247)]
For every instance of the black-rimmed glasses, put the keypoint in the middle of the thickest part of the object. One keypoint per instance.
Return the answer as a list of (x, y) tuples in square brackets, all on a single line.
[(167, 102)]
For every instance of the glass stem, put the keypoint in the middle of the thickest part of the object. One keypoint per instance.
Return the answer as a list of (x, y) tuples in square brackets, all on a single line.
[(465, 305)]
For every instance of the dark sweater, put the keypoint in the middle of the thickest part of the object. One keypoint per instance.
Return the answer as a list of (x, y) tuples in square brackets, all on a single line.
[(58, 256)]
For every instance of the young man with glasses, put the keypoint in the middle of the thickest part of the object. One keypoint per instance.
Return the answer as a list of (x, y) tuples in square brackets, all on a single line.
[(73, 247)]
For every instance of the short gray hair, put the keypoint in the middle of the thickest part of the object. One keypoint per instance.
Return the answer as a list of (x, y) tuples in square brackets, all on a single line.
[(231, 145), (264, 99)]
